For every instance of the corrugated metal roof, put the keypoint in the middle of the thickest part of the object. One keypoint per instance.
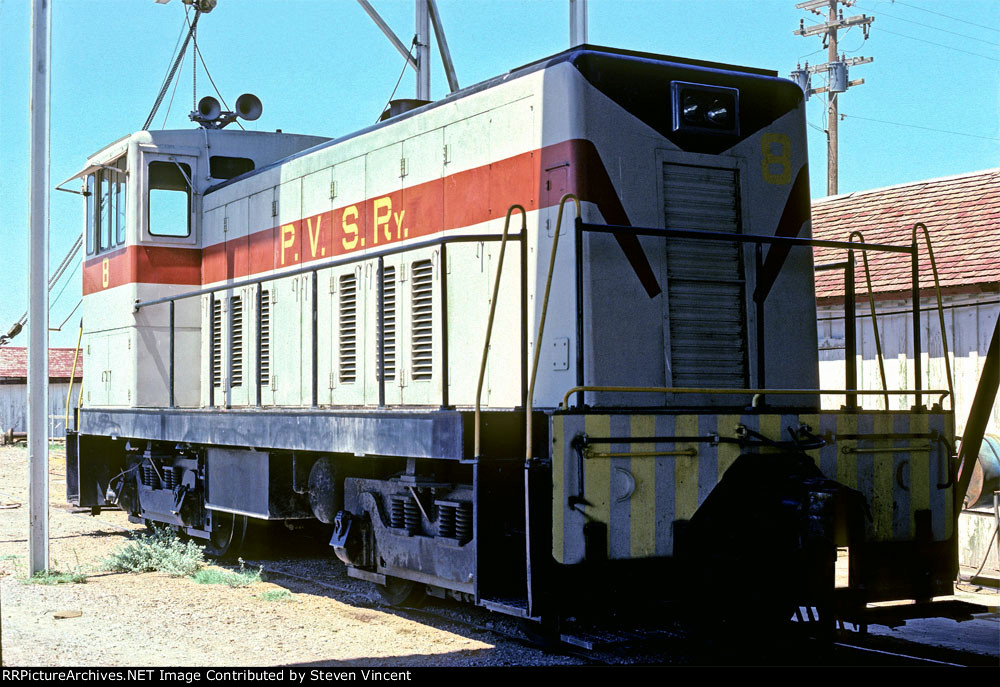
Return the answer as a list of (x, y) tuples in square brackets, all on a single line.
[(962, 213), (14, 362)]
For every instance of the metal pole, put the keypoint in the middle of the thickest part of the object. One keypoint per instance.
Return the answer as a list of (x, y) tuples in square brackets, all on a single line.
[(423, 25), (38, 293), (449, 66), (831, 119), (577, 22), (396, 43)]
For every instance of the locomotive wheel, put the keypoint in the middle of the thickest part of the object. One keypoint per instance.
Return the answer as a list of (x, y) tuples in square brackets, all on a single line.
[(228, 533), (399, 592)]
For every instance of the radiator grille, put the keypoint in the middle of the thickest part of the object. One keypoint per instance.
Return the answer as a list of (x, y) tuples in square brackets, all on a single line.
[(216, 342), (265, 337), (388, 332), (705, 279), (348, 328), (422, 349), (236, 337)]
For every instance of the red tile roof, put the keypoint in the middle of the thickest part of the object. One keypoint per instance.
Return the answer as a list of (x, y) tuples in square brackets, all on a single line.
[(962, 213), (14, 362)]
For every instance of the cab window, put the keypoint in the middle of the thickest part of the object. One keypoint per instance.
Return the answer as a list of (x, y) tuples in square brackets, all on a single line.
[(120, 202), (223, 167), (91, 213), (105, 207), (169, 201)]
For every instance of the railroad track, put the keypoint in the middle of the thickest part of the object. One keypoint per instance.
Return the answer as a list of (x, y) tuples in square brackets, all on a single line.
[(668, 643)]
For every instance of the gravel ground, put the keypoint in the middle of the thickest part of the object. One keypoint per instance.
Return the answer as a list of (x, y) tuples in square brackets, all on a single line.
[(155, 620)]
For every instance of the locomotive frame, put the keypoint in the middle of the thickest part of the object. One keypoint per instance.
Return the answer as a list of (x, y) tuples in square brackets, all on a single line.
[(513, 504)]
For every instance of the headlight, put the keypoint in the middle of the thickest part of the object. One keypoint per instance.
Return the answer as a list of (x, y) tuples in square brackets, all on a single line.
[(699, 107)]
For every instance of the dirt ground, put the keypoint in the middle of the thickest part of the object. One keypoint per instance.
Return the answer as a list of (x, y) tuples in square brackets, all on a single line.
[(128, 619)]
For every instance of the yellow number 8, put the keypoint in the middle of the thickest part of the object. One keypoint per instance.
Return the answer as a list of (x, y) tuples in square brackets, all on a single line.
[(782, 159)]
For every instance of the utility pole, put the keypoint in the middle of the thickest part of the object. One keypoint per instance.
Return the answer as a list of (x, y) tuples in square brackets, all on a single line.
[(38, 292), (835, 67)]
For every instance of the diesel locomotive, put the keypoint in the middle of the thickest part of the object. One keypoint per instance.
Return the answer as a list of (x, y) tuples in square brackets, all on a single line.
[(553, 332)]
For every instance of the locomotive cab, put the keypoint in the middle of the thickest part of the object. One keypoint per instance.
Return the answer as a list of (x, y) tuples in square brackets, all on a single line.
[(144, 238)]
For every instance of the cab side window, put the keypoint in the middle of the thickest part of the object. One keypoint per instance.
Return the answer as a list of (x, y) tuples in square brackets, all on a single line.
[(120, 202), (106, 205), (91, 214), (169, 201)]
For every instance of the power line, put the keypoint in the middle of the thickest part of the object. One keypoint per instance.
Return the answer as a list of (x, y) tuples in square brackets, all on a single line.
[(926, 128), (940, 45), (936, 28), (948, 16)]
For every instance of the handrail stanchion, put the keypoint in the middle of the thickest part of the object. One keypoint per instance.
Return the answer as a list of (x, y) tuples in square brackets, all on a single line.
[(489, 322), (940, 306), (758, 268), (171, 354), (578, 225), (72, 376), (443, 281), (380, 330), (918, 383), (850, 331), (260, 338), (871, 305), (541, 321), (315, 339)]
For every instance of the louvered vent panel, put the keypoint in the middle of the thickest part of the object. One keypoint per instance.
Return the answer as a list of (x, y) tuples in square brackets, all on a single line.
[(389, 320), (422, 349), (706, 287), (216, 342), (265, 337), (348, 328), (236, 335)]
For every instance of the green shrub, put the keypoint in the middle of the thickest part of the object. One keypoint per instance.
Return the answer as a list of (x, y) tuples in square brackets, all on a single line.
[(158, 551), (75, 576), (230, 578), (275, 595)]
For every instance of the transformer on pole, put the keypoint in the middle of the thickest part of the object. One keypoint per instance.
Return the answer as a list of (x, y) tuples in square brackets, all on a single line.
[(835, 67)]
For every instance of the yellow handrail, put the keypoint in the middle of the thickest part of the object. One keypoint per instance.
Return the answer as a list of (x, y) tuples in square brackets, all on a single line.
[(493, 308), (757, 393), (541, 321), (871, 305), (72, 376), (937, 289)]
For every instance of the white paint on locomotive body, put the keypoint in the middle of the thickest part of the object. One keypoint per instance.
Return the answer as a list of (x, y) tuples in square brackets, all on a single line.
[(357, 196)]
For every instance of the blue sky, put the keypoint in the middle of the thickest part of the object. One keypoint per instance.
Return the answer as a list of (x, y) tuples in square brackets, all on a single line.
[(322, 67)]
